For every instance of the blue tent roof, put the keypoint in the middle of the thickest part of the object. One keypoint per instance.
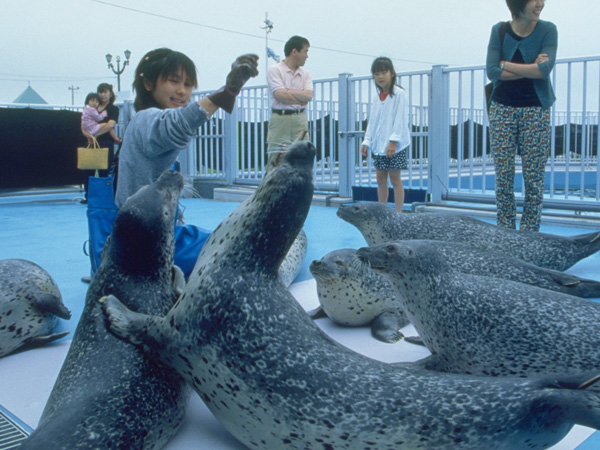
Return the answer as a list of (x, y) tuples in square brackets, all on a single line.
[(29, 96)]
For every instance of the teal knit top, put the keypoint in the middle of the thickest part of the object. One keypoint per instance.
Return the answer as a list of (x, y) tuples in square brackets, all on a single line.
[(543, 39)]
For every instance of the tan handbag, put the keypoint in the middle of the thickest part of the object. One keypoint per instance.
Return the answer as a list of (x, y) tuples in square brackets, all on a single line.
[(92, 157)]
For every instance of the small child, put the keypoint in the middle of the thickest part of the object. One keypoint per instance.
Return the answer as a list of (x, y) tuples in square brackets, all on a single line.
[(388, 133), (91, 118)]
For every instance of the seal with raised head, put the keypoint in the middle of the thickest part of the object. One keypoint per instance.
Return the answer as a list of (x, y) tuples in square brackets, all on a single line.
[(276, 381), (378, 223), (108, 394), (351, 294), (30, 305), (481, 325)]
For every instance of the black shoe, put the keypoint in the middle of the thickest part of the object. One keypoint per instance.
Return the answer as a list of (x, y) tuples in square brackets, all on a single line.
[(87, 280)]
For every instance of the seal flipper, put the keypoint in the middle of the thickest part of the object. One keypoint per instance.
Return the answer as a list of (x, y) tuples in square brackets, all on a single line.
[(577, 397), (178, 281), (40, 341), (129, 325), (581, 287), (317, 313), (416, 340), (591, 240), (50, 303), (386, 327)]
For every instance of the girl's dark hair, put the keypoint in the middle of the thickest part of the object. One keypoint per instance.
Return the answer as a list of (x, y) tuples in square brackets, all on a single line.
[(156, 65), (516, 6), (107, 87), (383, 64), (90, 96)]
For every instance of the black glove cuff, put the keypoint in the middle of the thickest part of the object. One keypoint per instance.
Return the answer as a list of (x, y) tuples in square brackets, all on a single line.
[(224, 98)]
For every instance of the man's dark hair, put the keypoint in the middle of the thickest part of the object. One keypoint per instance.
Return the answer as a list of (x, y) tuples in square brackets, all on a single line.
[(295, 42)]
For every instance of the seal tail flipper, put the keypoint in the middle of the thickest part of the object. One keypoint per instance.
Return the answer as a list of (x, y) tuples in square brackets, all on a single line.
[(590, 241), (40, 341), (580, 287), (577, 399), (50, 303)]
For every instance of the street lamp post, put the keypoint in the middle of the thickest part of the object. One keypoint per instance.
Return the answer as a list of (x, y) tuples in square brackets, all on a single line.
[(119, 70)]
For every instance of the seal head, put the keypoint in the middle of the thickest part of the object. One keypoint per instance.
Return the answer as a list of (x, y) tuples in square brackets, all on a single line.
[(353, 295), (30, 305)]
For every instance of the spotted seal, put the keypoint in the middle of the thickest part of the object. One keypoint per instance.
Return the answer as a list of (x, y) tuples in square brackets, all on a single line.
[(378, 223), (482, 325), (353, 295), (30, 305), (108, 394), (275, 380)]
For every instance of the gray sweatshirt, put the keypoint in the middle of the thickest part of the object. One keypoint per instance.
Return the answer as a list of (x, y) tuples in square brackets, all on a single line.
[(152, 141)]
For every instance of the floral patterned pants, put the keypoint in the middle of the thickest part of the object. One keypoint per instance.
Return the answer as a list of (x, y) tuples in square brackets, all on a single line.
[(526, 129)]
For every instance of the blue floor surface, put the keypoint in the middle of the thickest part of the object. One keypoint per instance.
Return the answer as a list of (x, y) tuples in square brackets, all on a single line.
[(51, 231)]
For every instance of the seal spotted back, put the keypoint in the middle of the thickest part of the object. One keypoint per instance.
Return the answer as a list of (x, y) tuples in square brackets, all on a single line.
[(379, 224), (487, 326)]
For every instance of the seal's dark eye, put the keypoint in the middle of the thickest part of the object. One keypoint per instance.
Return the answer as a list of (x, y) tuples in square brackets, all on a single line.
[(390, 248), (339, 263)]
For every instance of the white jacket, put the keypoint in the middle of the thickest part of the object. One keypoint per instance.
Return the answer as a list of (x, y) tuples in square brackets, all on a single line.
[(388, 121)]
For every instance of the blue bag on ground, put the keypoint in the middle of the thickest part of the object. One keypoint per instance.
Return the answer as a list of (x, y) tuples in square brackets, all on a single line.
[(102, 212)]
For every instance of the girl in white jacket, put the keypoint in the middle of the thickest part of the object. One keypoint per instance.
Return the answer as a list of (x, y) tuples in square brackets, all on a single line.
[(388, 134)]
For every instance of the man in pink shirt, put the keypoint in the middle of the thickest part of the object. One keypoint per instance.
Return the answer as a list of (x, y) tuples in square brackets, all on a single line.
[(291, 89)]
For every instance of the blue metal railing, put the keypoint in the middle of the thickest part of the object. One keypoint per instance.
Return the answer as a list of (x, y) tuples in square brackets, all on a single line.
[(450, 154)]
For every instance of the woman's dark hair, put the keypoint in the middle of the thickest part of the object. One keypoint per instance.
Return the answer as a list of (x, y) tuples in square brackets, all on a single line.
[(516, 6), (383, 64), (295, 42), (91, 96), (107, 87), (156, 65)]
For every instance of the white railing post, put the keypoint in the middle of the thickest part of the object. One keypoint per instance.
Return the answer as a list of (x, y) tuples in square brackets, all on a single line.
[(230, 145), (345, 140), (439, 133)]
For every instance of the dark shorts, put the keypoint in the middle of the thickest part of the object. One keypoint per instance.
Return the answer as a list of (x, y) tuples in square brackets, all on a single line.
[(396, 162)]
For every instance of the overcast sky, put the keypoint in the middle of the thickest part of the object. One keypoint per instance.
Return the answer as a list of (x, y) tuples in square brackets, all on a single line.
[(57, 44)]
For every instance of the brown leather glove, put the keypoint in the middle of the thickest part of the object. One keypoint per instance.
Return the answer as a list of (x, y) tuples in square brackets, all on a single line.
[(242, 69)]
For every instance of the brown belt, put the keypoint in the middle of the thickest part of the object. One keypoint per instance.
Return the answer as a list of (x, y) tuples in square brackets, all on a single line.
[(287, 112)]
